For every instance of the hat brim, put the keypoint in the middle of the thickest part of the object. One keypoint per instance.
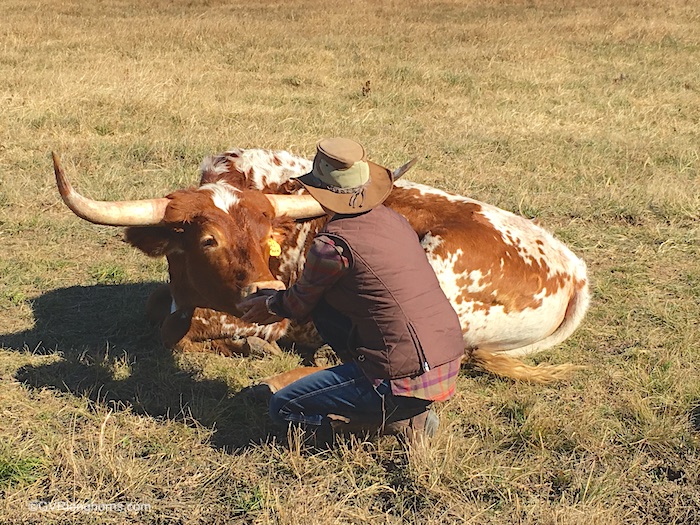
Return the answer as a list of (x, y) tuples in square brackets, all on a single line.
[(375, 192)]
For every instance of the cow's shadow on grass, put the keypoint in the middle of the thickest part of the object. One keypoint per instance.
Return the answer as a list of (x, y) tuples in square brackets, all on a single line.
[(111, 355)]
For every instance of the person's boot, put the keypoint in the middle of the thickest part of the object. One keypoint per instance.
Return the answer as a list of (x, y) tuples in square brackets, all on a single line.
[(424, 424), (421, 426), (343, 425)]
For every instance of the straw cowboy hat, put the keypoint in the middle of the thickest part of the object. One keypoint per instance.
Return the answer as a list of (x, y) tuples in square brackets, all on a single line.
[(343, 180)]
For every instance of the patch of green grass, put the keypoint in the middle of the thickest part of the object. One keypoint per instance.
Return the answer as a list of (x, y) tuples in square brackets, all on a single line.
[(14, 297), (18, 470), (246, 502), (107, 273)]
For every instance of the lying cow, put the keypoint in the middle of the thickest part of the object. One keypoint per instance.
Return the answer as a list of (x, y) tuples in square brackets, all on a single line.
[(517, 289)]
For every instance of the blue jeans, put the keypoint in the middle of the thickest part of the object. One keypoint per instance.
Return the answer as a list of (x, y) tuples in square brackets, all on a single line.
[(343, 390)]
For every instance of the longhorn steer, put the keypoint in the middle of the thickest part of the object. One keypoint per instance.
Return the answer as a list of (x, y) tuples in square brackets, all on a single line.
[(517, 289)]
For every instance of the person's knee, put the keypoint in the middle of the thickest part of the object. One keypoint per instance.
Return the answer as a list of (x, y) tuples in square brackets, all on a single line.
[(275, 407)]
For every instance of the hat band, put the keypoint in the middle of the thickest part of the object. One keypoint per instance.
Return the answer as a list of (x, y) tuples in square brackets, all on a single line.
[(337, 189)]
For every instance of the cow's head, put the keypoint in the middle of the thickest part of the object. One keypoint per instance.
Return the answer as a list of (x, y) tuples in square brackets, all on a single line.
[(217, 238)]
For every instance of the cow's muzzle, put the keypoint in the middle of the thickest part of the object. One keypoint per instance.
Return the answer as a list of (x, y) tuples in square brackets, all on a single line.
[(261, 285)]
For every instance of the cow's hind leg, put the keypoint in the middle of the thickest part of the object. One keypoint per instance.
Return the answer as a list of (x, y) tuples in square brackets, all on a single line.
[(574, 313), (264, 390), (278, 382)]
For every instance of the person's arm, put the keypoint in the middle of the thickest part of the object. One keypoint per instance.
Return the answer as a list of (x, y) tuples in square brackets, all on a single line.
[(326, 261)]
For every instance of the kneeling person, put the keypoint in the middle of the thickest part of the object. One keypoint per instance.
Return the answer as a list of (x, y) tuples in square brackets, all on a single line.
[(374, 298)]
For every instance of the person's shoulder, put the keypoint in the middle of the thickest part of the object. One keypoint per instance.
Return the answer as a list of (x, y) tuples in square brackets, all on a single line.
[(327, 241), (327, 247)]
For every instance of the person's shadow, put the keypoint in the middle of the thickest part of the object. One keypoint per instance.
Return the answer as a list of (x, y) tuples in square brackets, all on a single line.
[(111, 355)]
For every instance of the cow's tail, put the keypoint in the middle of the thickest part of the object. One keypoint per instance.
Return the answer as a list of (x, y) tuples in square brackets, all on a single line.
[(513, 368), (506, 364)]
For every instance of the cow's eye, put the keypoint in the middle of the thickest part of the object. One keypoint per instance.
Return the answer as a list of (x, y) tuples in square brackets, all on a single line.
[(208, 242)]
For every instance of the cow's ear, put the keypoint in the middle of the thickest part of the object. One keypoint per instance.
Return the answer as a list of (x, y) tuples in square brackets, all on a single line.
[(290, 187), (282, 228), (154, 241)]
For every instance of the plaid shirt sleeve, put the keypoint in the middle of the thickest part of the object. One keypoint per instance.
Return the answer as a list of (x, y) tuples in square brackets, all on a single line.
[(437, 384), (326, 262)]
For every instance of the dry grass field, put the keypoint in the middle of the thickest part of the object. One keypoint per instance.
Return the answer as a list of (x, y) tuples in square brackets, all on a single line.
[(584, 114)]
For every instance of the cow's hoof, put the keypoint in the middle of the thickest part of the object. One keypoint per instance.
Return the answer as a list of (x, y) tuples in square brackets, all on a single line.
[(256, 347), (229, 347)]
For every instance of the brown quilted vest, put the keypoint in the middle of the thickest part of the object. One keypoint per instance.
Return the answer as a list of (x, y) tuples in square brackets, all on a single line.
[(403, 324)]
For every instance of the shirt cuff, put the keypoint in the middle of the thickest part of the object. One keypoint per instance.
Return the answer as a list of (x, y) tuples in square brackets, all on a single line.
[(274, 305)]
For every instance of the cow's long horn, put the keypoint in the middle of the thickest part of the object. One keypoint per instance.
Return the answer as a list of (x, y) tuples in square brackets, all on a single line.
[(147, 212), (296, 206)]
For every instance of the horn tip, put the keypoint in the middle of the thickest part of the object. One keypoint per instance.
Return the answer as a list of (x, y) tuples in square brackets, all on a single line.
[(64, 186), (56, 162)]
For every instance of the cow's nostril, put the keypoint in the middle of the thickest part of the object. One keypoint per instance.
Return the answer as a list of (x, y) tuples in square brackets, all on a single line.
[(261, 285)]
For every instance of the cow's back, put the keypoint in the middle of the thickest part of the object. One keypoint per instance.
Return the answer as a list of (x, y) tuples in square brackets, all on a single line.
[(514, 286)]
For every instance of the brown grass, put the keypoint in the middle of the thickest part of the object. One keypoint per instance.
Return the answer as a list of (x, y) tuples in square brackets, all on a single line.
[(584, 114)]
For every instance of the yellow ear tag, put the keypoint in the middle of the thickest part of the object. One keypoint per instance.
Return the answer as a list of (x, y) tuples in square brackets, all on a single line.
[(275, 248)]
